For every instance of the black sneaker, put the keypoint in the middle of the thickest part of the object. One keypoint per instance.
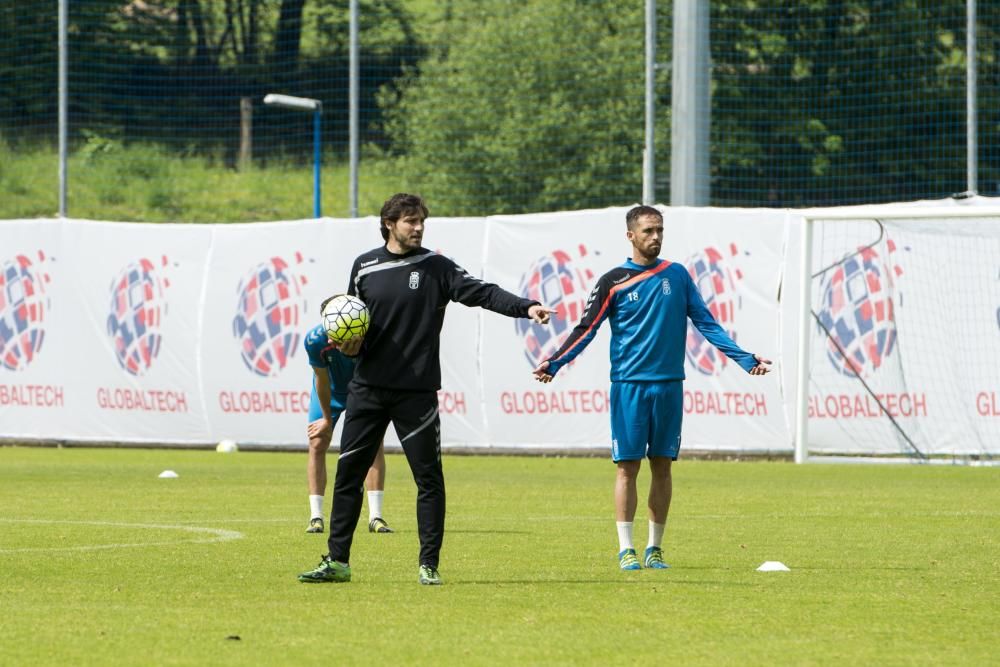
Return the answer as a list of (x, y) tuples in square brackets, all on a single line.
[(378, 525)]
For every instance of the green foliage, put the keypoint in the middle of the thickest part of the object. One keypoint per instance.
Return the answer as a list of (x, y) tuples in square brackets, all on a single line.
[(492, 106), (539, 107), (105, 564), (837, 102)]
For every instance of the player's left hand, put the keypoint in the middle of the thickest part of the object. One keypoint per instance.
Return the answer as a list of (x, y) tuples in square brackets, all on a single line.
[(540, 314), (541, 373), (762, 365)]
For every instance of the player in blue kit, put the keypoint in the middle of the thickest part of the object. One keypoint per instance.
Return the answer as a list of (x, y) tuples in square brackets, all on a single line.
[(648, 302), (333, 368)]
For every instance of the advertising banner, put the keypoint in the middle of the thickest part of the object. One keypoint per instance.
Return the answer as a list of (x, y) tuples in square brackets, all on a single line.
[(191, 334)]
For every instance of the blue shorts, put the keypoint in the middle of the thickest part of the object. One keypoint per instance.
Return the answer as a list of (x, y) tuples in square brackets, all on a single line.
[(315, 412), (646, 419)]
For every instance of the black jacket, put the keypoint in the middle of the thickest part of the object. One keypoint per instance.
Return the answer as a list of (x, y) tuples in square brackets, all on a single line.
[(406, 296)]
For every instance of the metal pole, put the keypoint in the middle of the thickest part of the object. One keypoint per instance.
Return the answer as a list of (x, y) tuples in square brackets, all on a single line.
[(649, 154), (353, 97), (691, 112), (805, 341), (971, 93), (63, 106), (317, 158)]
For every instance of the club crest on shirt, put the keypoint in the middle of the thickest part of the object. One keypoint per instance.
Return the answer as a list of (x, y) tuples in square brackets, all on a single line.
[(414, 279), (666, 285)]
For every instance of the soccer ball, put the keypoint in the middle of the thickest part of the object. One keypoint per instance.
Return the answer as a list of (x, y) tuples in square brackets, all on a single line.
[(345, 318)]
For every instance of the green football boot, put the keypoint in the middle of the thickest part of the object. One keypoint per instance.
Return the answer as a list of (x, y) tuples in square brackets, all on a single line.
[(429, 576), (328, 571)]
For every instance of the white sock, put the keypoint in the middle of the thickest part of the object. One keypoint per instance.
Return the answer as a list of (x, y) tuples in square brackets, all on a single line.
[(315, 507), (624, 535), (656, 534), (375, 504)]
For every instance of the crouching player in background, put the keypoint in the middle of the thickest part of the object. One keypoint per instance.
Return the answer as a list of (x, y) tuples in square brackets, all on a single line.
[(648, 302), (333, 368)]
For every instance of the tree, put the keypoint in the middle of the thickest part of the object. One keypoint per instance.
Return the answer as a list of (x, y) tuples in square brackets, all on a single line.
[(288, 38), (540, 107)]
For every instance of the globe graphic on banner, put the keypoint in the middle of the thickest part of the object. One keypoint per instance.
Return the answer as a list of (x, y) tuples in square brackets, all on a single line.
[(556, 280), (267, 316), (137, 309), (857, 309), (23, 306), (717, 283)]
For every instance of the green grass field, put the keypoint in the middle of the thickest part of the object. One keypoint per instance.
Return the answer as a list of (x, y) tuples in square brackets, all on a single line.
[(103, 563)]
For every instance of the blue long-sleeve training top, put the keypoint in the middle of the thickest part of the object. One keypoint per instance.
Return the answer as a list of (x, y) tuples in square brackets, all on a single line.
[(648, 307)]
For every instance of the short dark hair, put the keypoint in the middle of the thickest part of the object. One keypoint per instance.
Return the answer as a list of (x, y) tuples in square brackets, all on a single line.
[(326, 301), (398, 205), (637, 212)]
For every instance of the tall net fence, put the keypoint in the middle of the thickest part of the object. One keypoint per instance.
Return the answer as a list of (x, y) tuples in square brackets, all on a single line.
[(483, 106), (833, 103)]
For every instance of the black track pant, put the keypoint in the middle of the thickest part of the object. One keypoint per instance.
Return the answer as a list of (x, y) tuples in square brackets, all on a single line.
[(414, 414)]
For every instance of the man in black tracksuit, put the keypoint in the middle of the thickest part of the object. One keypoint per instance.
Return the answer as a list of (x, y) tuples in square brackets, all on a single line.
[(406, 288)]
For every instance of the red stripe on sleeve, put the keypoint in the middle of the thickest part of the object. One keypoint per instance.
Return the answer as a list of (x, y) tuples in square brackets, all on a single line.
[(604, 306)]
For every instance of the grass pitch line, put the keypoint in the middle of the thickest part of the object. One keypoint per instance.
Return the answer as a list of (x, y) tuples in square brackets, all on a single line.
[(214, 535)]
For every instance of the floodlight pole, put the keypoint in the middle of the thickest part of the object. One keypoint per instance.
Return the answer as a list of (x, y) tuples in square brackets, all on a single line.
[(63, 106), (971, 94), (352, 115), (649, 163), (691, 110), (315, 106)]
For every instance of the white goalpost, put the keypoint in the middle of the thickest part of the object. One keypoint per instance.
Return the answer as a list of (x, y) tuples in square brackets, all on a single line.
[(899, 335)]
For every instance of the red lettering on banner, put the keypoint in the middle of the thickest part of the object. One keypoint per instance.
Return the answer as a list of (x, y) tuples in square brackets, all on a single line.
[(988, 404), (264, 402), (451, 402), (548, 402), (734, 403), (141, 400), (31, 395), (866, 406)]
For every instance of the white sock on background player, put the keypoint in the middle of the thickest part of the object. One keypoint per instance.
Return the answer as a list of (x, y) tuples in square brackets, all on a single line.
[(375, 504), (315, 507)]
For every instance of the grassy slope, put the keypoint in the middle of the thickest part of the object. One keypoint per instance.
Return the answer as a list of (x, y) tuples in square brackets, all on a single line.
[(889, 565), (147, 184)]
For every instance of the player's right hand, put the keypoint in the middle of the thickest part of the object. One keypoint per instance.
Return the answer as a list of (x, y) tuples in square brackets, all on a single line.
[(351, 347), (320, 428), (541, 372)]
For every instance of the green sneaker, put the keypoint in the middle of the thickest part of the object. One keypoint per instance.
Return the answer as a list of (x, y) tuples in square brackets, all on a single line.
[(654, 559), (627, 560), (328, 571), (378, 525), (429, 576), (315, 525)]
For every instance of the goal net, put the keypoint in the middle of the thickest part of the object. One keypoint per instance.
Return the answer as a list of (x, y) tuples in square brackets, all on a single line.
[(904, 343)]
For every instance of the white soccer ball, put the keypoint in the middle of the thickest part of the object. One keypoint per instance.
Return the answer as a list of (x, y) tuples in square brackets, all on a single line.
[(227, 446), (345, 318)]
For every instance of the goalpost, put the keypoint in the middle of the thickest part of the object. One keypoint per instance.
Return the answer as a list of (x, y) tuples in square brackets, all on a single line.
[(899, 335)]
